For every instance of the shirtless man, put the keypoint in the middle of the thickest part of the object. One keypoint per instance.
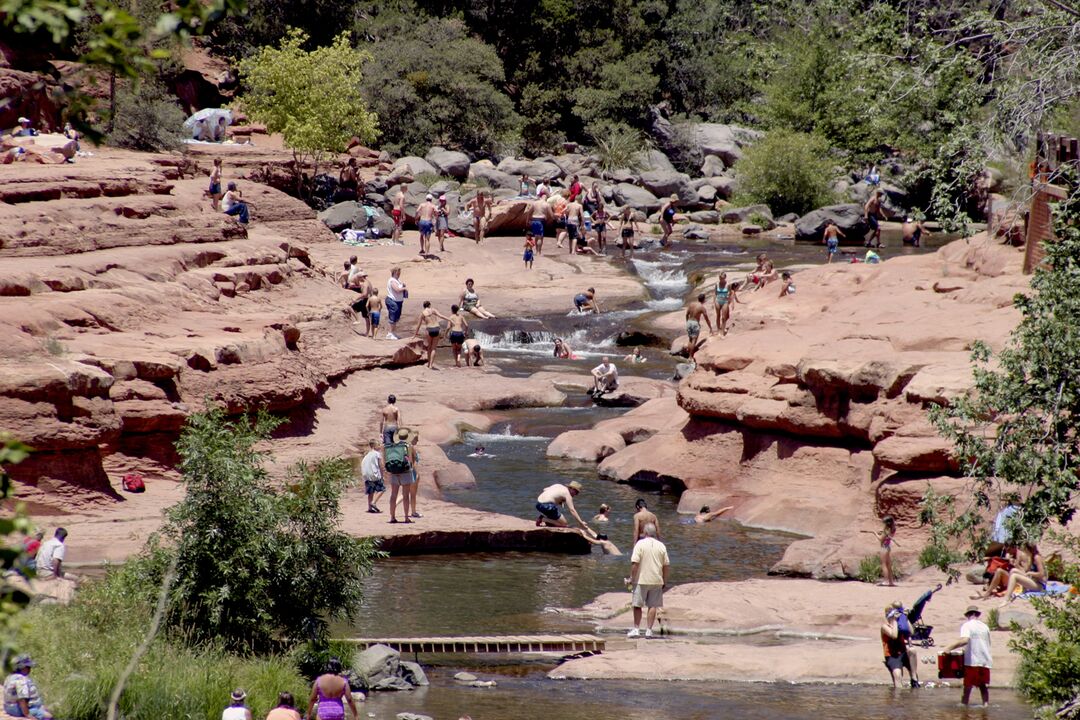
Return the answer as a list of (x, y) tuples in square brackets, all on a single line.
[(550, 502), (695, 311), (457, 326), (831, 238), (706, 515), (481, 209), (374, 308), (642, 518), (398, 214), (873, 215), (390, 420), (914, 231), (606, 545), (536, 224), (425, 220), (474, 353), (429, 319), (575, 228)]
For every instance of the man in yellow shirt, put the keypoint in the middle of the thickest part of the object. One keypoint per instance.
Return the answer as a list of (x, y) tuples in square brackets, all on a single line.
[(648, 578)]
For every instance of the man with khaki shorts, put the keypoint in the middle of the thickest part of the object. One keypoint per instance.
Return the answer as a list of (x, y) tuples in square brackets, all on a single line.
[(648, 578)]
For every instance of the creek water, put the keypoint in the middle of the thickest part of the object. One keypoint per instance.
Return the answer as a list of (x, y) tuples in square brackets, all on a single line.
[(520, 593)]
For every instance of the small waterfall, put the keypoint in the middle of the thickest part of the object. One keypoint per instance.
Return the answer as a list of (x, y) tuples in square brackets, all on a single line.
[(661, 277), (542, 342)]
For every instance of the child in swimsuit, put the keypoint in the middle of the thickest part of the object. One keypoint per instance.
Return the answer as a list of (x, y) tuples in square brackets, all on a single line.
[(530, 243), (374, 307)]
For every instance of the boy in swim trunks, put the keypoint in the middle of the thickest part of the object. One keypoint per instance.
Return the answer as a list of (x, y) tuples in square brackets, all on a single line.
[(831, 238), (575, 227), (374, 308), (398, 213), (530, 244), (695, 311), (457, 327), (425, 220)]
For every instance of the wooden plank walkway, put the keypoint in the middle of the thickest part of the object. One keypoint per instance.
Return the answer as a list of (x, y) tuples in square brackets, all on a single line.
[(488, 644)]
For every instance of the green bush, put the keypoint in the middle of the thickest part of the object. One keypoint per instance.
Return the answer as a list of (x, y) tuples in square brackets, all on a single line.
[(619, 147), (79, 664), (788, 171), (935, 555), (147, 118), (869, 569), (1049, 669)]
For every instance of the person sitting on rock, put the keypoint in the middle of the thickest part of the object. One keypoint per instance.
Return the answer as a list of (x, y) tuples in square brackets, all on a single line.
[(233, 203), (470, 302), (22, 699), (605, 377), (787, 286), (764, 273), (25, 129), (551, 501)]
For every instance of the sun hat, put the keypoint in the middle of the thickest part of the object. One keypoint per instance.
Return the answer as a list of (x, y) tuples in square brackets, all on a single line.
[(575, 485), (23, 661), (238, 695), (402, 435), (972, 610), (23, 120)]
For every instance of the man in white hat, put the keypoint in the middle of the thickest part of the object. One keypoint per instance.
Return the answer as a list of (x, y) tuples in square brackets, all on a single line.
[(975, 639), (551, 501), (24, 129)]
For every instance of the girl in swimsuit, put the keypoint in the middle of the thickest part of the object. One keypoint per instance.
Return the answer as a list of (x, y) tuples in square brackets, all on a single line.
[(214, 191), (457, 327), (627, 227), (470, 302), (429, 318), (330, 692), (667, 218), (726, 296), (562, 350), (886, 539), (600, 226)]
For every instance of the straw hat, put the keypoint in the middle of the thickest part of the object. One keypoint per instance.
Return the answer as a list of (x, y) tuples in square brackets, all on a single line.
[(575, 485)]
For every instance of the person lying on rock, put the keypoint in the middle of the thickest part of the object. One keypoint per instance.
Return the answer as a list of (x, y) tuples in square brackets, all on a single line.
[(705, 514), (550, 502)]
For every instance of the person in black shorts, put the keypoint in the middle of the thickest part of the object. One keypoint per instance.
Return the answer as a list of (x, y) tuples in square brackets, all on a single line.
[(457, 328), (627, 227)]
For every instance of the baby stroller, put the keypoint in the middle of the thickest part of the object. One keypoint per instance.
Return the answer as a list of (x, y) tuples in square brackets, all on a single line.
[(920, 632)]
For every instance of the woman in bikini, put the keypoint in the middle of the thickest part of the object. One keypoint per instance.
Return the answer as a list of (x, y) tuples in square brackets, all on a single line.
[(562, 350), (330, 692), (726, 296), (600, 218), (667, 218), (470, 302), (457, 327), (214, 191), (429, 319), (1032, 577), (627, 228)]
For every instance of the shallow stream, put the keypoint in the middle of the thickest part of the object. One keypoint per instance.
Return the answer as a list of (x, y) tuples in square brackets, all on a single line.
[(520, 593)]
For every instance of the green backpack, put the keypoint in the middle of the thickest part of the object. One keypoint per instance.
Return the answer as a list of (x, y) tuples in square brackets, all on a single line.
[(397, 458)]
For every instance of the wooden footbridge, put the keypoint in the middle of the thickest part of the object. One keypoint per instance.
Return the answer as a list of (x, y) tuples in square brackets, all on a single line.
[(488, 644)]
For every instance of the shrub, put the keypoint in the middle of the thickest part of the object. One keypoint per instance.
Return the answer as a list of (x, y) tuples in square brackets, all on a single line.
[(619, 147), (788, 171), (147, 118), (869, 569), (993, 618), (935, 555)]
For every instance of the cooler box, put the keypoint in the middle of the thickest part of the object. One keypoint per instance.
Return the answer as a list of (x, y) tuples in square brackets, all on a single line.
[(950, 666)]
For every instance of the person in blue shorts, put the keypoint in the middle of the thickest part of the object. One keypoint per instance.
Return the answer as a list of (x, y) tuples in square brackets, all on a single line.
[(831, 237), (586, 302)]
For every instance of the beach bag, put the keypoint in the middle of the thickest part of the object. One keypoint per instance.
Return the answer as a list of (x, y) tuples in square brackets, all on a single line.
[(133, 483), (397, 458)]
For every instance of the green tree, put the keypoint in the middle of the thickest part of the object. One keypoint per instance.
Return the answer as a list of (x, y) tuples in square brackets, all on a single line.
[(12, 598), (788, 171), (312, 97), (146, 118), (1017, 434), (258, 564), (435, 85)]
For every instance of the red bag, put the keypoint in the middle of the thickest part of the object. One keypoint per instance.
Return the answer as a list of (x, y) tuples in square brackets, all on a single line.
[(133, 483), (950, 665), (997, 563)]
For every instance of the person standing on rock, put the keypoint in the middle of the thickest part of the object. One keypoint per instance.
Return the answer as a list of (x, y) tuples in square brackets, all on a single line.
[(831, 238), (538, 212), (627, 228), (389, 420), (726, 297), (649, 565), (398, 213), (695, 311), (371, 471), (425, 220), (214, 191), (526, 183), (374, 308), (667, 218), (429, 320), (530, 250), (975, 639), (575, 227), (558, 208), (642, 517), (550, 502), (399, 458), (442, 221), (456, 328), (481, 210), (396, 292), (600, 218), (575, 189), (873, 215)]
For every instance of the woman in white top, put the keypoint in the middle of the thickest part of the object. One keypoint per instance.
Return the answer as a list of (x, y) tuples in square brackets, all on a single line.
[(396, 293), (237, 710), (233, 203)]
